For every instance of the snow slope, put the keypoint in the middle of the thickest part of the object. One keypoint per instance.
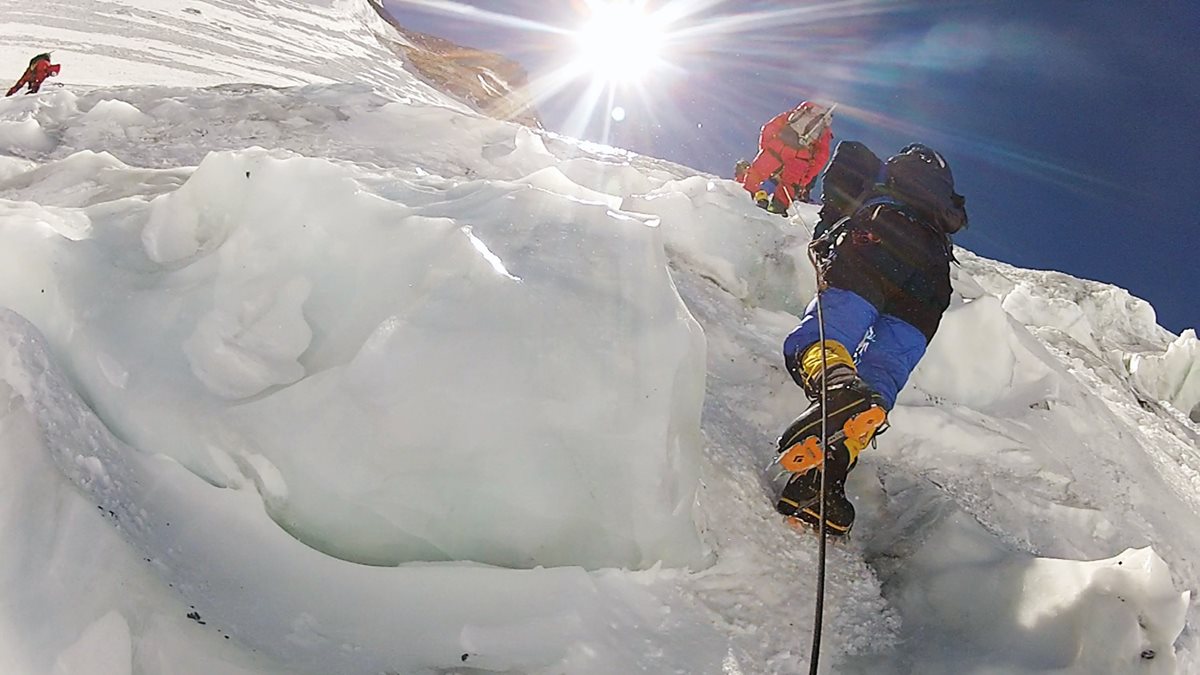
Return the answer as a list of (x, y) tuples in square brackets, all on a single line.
[(204, 43), (343, 378)]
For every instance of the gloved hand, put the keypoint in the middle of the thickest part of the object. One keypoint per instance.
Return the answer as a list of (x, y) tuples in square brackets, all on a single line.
[(740, 169)]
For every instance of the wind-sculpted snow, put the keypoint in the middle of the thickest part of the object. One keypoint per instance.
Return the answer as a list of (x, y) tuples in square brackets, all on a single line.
[(987, 608), (755, 260), (367, 386), (424, 329), (242, 574)]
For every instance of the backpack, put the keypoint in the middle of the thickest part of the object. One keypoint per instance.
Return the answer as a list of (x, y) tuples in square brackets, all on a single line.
[(919, 179), (805, 124), (916, 181), (40, 57), (849, 178)]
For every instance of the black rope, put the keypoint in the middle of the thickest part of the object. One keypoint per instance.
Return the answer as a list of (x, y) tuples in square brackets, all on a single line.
[(818, 619)]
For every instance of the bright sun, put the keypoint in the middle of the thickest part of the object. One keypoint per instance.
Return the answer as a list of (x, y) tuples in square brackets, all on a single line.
[(620, 43)]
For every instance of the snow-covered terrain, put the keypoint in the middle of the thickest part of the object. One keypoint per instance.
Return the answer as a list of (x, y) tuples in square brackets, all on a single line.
[(315, 371), (209, 42)]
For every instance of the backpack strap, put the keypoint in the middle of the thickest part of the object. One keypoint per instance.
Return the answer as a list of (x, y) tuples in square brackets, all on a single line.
[(886, 201)]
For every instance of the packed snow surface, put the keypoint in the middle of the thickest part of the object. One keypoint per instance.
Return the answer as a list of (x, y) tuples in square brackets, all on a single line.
[(340, 378)]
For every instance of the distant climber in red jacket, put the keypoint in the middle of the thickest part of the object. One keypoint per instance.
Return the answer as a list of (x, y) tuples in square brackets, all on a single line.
[(793, 148), (39, 69)]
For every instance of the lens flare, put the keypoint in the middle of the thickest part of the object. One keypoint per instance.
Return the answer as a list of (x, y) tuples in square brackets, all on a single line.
[(666, 57), (620, 43)]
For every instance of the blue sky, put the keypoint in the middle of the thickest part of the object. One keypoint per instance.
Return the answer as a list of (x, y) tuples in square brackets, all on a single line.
[(1073, 127)]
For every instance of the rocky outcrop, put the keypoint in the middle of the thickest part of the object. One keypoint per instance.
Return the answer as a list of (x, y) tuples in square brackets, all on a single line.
[(488, 82)]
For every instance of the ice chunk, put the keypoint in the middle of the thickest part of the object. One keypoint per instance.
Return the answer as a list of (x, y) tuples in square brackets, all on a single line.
[(981, 358), (1173, 375), (252, 342)]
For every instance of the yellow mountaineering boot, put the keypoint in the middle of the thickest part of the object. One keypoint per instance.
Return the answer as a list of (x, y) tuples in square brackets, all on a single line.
[(854, 414)]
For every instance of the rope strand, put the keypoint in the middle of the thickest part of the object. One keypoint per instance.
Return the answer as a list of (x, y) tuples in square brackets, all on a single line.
[(814, 659)]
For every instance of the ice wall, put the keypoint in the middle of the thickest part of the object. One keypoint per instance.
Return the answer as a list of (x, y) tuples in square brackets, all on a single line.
[(501, 375)]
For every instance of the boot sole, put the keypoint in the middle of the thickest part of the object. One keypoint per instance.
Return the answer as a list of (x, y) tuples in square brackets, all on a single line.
[(808, 515), (801, 524), (808, 453)]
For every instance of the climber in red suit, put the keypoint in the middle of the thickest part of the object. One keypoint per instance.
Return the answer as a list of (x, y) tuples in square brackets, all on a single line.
[(39, 69), (793, 148)]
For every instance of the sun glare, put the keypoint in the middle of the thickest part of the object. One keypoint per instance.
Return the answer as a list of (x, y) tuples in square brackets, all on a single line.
[(620, 43)]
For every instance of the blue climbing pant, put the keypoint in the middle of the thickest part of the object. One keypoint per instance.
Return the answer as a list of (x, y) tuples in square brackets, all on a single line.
[(885, 348)]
